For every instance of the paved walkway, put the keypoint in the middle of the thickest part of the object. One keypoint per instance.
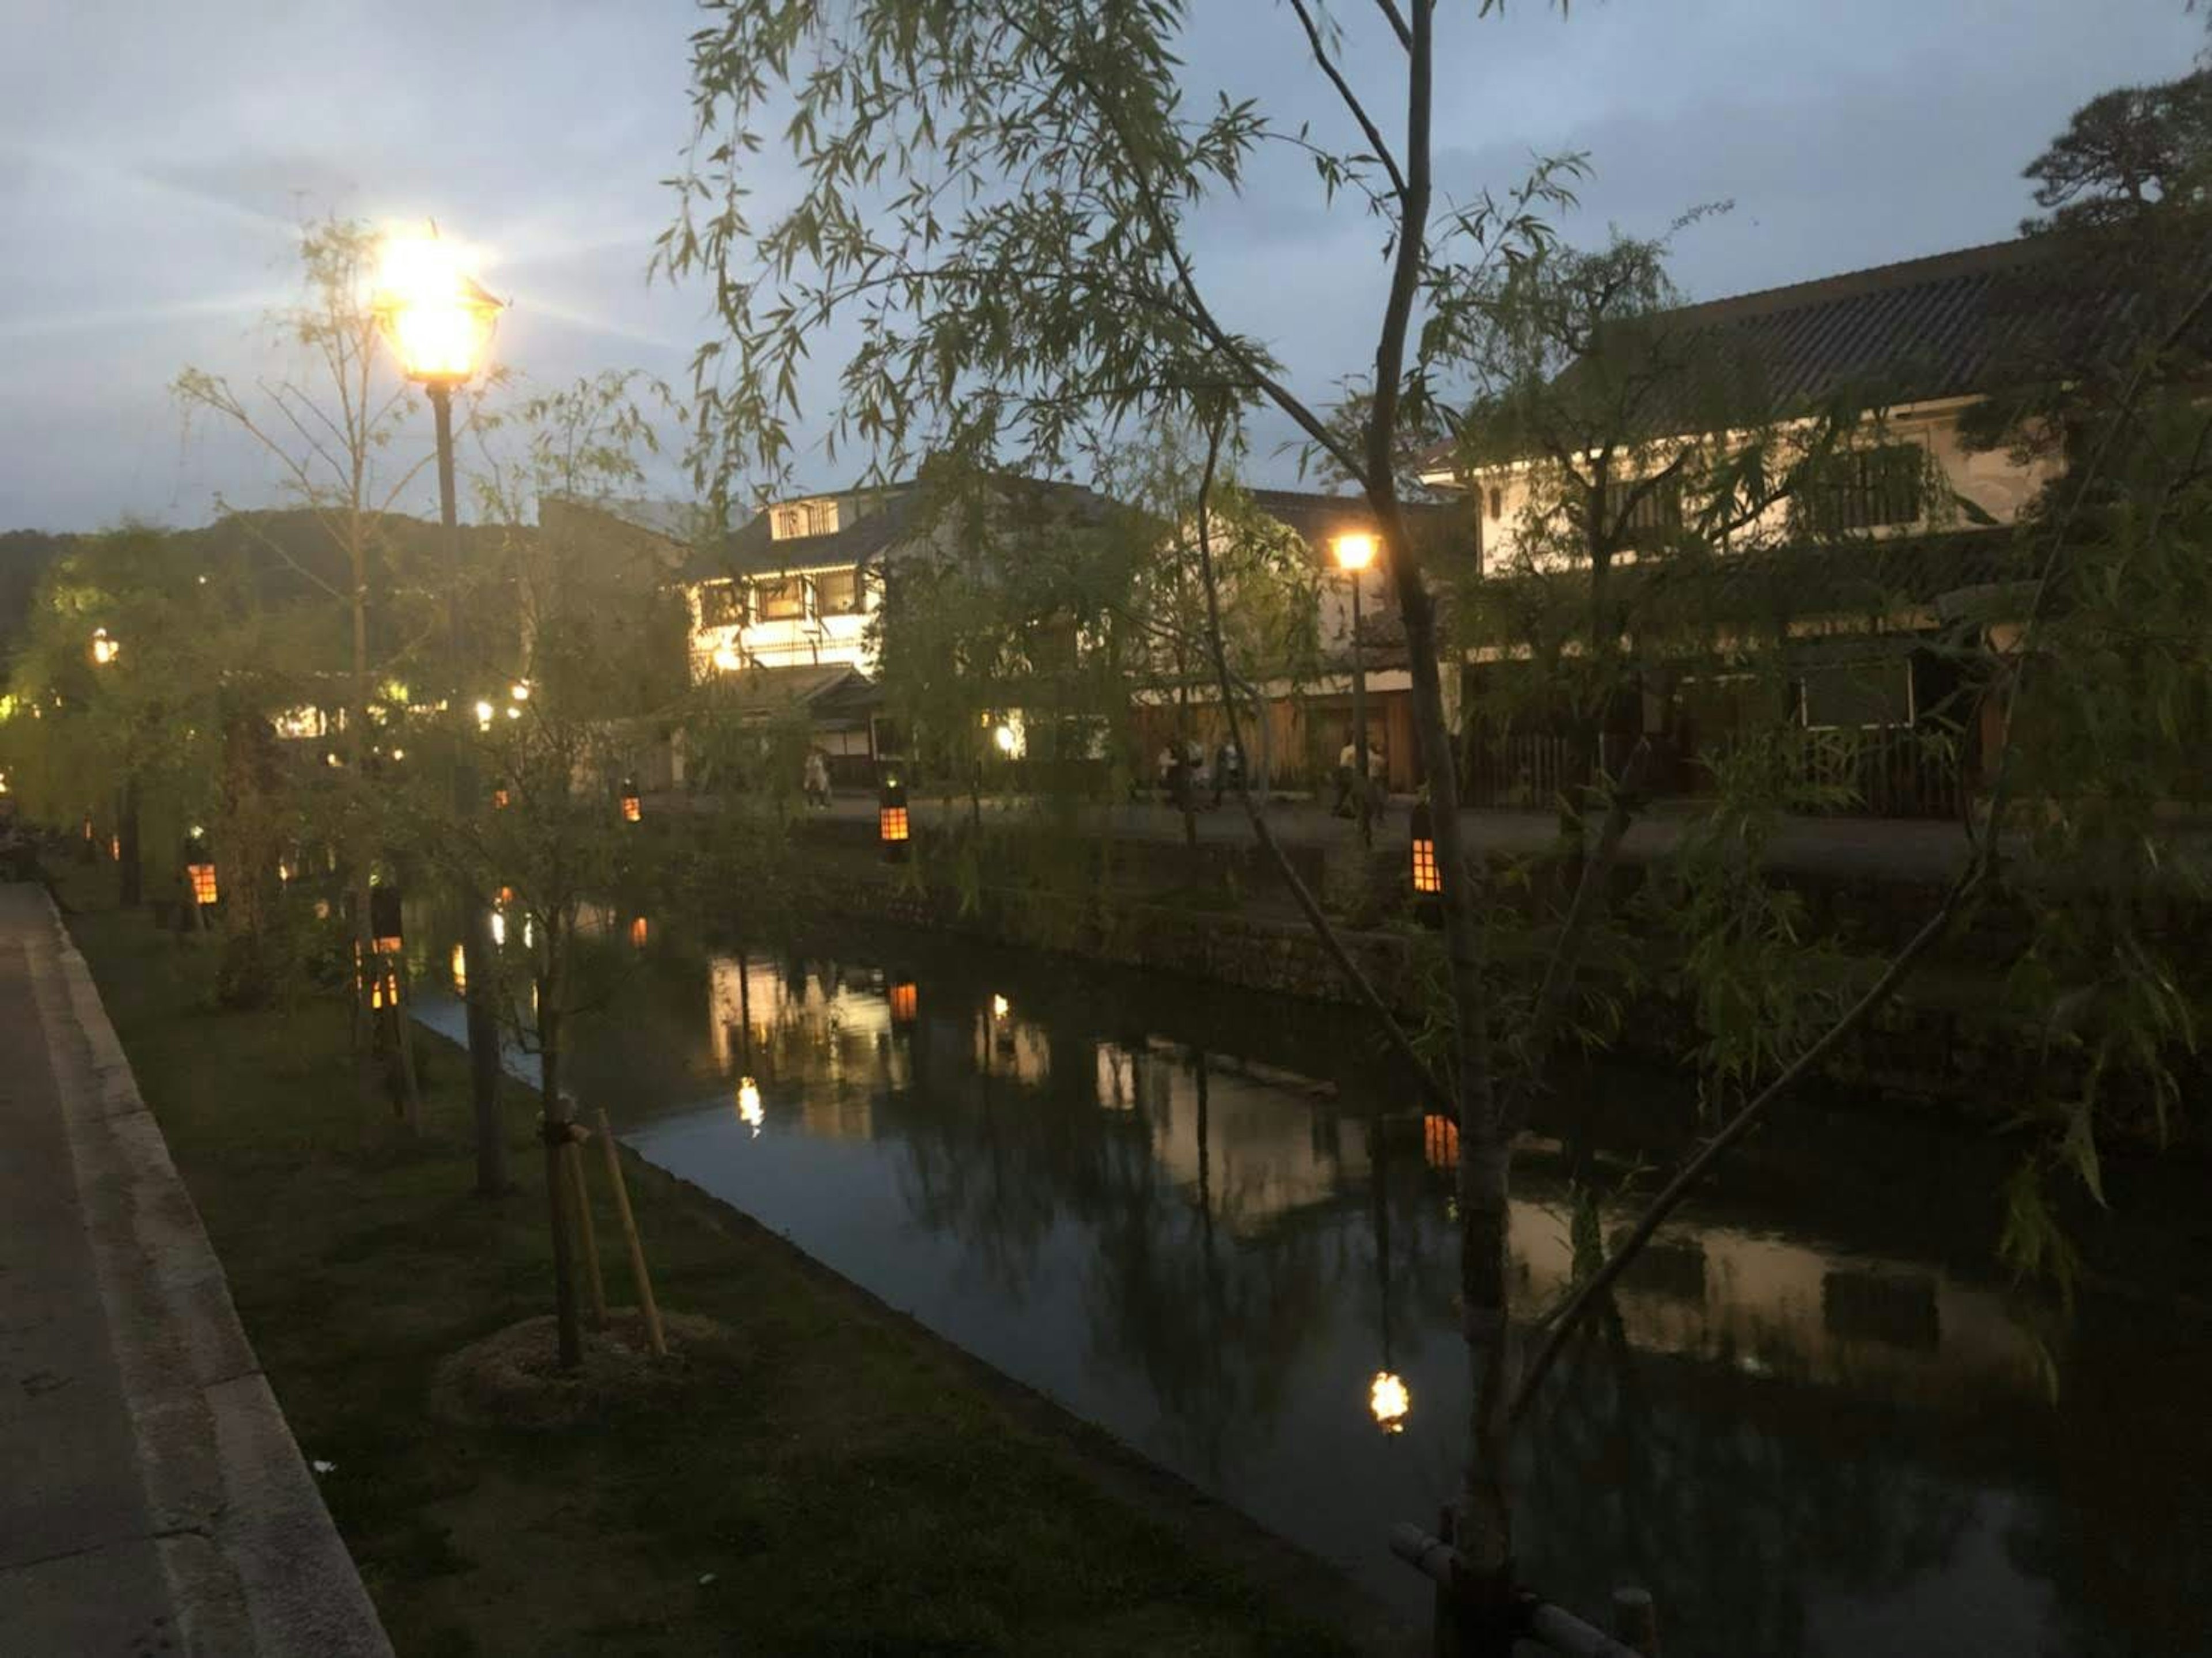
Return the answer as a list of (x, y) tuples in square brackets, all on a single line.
[(152, 1498)]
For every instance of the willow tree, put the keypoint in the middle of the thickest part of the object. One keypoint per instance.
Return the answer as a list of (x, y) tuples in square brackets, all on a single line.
[(327, 414), (999, 216)]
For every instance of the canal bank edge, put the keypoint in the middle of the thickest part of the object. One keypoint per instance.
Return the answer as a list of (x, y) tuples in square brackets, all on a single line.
[(1944, 1043), (253, 1559), (1276, 1569)]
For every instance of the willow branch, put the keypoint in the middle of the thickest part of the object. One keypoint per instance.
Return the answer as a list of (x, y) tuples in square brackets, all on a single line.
[(1981, 870), (1359, 980), (1559, 969), (1351, 99)]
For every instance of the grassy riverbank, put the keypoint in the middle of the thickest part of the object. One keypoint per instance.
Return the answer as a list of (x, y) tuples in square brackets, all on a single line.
[(849, 1486)]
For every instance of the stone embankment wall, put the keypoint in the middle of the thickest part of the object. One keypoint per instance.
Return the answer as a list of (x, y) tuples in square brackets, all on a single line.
[(1218, 913)]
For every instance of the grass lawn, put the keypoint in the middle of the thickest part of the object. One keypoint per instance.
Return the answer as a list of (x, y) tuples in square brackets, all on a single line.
[(847, 1486)]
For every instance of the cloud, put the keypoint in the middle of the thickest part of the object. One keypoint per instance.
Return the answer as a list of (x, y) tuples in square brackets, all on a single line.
[(156, 160)]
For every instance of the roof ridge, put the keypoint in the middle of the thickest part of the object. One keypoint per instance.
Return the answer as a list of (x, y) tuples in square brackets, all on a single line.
[(1976, 260)]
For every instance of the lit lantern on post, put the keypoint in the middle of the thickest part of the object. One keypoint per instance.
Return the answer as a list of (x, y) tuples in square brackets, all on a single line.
[(905, 1001), (104, 648), (199, 869), (382, 982), (499, 797), (384, 923), (633, 803), (892, 827), (641, 932), (1428, 877)]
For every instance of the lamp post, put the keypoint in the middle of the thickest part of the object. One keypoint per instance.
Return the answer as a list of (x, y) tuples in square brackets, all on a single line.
[(105, 649), (439, 322), (1355, 551)]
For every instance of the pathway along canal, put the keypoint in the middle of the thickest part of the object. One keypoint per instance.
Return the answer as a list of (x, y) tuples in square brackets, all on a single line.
[(1818, 1419)]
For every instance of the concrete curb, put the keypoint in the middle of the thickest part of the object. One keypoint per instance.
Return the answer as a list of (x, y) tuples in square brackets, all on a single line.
[(253, 1560)]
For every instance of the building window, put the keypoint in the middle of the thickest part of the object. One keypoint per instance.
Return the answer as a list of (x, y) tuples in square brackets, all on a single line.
[(1497, 501), (782, 600), (1655, 515), (1862, 489), (721, 605), (796, 521), (837, 593)]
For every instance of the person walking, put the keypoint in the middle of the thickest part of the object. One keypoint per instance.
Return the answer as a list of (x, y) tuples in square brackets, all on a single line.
[(1347, 759), (1228, 769), (817, 779)]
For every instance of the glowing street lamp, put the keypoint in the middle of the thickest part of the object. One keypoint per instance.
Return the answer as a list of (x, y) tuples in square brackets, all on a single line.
[(438, 320), (1355, 551), (633, 803), (436, 317), (104, 647)]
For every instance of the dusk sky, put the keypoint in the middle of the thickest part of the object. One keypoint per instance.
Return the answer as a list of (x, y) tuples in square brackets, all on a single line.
[(156, 160)]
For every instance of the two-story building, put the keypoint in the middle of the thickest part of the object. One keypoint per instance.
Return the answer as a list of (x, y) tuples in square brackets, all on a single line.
[(1888, 540), (786, 610)]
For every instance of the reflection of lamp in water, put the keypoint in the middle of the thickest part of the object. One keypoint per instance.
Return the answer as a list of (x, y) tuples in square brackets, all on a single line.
[(1388, 1402), (460, 971), (749, 1105)]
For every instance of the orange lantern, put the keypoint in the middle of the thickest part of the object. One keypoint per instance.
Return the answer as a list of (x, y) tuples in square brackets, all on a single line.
[(905, 999), (892, 827), (640, 930), (633, 804), (1439, 1142), (203, 879), (1428, 877)]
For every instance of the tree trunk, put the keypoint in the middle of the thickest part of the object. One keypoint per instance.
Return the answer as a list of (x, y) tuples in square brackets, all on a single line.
[(555, 1134)]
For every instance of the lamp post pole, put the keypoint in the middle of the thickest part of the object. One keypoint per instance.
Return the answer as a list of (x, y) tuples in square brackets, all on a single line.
[(1360, 721), (476, 943)]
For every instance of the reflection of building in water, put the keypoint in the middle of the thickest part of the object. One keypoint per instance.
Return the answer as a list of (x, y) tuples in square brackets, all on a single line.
[(1008, 1045), (1771, 1306), (1264, 1156), (834, 1042)]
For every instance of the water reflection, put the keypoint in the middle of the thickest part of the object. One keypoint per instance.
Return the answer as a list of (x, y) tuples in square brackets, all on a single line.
[(1809, 1417)]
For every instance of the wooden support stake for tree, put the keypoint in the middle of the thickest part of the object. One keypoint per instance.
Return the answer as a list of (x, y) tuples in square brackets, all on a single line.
[(644, 1279), (587, 1232), (410, 1086)]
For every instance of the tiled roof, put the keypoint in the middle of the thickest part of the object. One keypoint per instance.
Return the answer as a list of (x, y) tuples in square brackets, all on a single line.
[(1946, 325), (891, 520)]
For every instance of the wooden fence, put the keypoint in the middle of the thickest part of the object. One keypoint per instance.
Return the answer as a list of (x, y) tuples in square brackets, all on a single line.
[(1888, 771)]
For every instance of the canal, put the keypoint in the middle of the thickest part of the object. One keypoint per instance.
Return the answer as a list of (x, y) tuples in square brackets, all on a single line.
[(1817, 1420)]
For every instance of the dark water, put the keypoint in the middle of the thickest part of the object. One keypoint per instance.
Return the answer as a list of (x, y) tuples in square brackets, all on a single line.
[(1818, 1420)]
